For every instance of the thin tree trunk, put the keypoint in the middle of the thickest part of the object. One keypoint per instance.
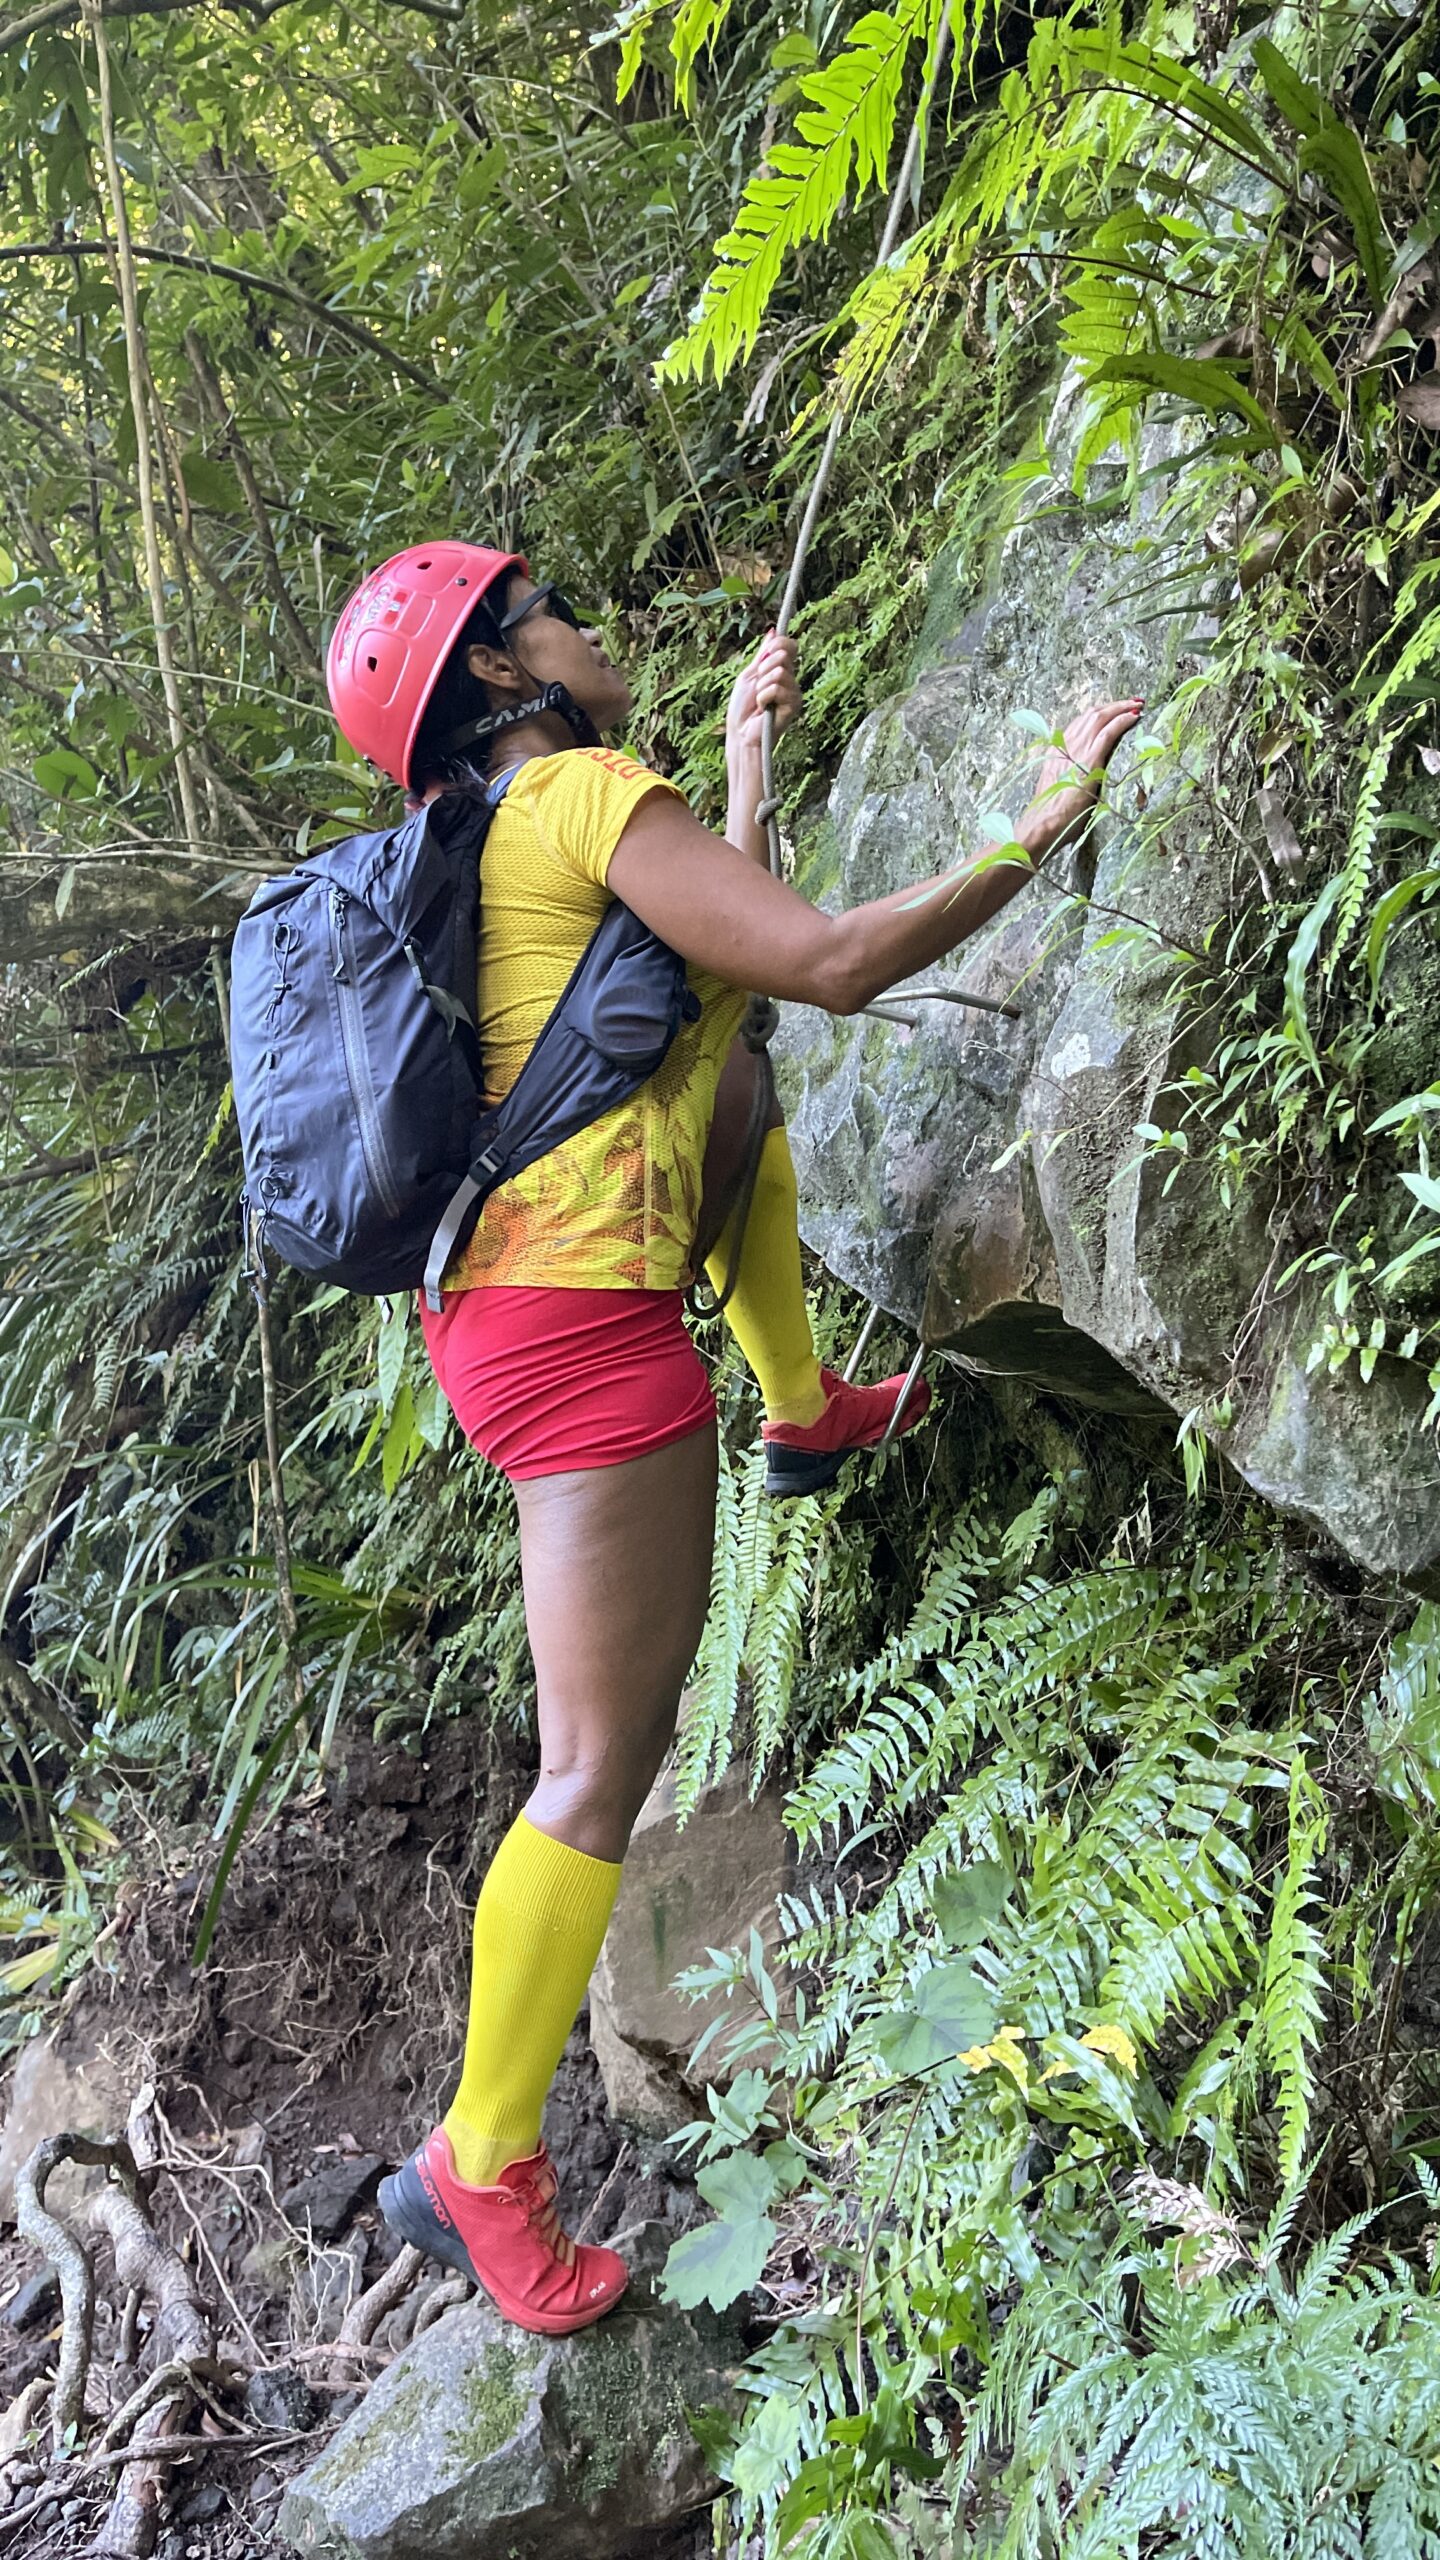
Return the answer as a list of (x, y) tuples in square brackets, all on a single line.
[(136, 370)]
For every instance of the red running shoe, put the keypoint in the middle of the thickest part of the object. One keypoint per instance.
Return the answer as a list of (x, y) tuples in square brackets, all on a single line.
[(506, 2238), (804, 1458)]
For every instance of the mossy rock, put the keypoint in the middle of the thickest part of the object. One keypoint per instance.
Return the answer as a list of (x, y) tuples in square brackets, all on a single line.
[(482, 2442), (984, 1177)]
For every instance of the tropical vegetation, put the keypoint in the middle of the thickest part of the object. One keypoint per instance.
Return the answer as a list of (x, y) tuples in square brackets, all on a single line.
[(1078, 2153)]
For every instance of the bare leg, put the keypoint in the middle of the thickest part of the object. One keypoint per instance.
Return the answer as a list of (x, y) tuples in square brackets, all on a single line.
[(616, 1566), (765, 1298)]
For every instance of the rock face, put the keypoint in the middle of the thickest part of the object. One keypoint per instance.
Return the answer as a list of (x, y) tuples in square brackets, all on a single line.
[(681, 1892), (983, 1178), (484, 2443)]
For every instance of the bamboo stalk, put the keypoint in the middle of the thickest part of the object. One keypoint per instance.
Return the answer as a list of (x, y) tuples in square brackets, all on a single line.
[(279, 1515), (135, 368)]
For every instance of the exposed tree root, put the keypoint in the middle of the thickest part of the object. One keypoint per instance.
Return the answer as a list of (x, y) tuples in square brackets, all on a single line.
[(368, 2310), (447, 2293), (184, 2330), (72, 2264)]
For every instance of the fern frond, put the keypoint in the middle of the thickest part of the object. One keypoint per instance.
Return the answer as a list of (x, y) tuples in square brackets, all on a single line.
[(846, 129), (715, 1685), (1360, 850), (1292, 1990)]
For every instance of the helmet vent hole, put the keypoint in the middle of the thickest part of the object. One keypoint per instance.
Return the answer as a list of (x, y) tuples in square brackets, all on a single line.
[(372, 664), (462, 582), (422, 564)]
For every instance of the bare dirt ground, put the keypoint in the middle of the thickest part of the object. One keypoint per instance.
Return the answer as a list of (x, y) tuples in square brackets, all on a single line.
[(312, 2052)]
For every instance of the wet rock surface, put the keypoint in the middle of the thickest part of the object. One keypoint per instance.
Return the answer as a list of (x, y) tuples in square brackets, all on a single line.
[(481, 2442), (983, 1177)]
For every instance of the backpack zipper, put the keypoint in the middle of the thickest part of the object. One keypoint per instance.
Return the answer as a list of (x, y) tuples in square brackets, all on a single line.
[(357, 1063)]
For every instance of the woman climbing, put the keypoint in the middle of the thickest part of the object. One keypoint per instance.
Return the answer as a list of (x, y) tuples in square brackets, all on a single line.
[(560, 1343)]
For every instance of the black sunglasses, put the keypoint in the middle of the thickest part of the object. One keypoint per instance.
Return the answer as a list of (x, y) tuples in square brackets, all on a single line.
[(554, 604)]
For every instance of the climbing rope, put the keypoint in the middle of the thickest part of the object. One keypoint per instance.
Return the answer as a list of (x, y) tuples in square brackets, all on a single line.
[(768, 813), (762, 1017)]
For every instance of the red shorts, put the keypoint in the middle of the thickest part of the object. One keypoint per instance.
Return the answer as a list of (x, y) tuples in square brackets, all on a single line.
[(546, 1380)]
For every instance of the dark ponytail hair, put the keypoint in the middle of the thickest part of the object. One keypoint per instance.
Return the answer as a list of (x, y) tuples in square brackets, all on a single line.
[(459, 697)]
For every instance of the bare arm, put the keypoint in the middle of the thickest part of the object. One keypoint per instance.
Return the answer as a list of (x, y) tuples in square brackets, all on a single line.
[(716, 905), (768, 683)]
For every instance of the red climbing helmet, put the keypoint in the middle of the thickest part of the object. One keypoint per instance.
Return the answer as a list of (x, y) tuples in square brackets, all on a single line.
[(393, 638)]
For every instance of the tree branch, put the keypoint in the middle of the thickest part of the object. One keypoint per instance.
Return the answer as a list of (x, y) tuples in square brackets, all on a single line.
[(224, 418), (55, 13), (354, 330), (59, 1165)]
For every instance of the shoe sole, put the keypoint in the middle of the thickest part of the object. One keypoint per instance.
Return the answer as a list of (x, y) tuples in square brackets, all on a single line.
[(795, 1471), (789, 1472), (413, 2218)]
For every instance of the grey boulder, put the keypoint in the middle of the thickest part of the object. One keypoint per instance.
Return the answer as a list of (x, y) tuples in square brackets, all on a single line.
[(990, 1179), (482, 2442)]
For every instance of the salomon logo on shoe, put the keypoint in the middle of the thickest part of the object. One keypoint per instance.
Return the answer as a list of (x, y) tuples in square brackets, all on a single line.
[(433, 2197)]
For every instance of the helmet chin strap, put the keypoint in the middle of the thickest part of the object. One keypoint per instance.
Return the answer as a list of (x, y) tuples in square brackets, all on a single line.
[(551, 697)]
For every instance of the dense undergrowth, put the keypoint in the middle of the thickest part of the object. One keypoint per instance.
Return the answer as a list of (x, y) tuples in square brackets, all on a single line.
[(1082, 2135)]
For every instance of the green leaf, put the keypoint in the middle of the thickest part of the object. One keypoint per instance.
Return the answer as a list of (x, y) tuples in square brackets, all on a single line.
[(390, 1353), (717, 2262), (1297, 970), (1335, 157), (740, 2186), (1403, 1723), (260, 1777), (210, 483), (1299, 102), (951, 2012), (1202, 381), (967, 1905), (432, 1413), (66, 775), (396, 1445), (1425, 1187), (1414, 1107), (23, 1972), (1388, 912)]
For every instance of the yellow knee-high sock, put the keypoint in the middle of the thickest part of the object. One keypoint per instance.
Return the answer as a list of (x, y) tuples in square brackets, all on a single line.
[(767, 1312), (542, 1914)]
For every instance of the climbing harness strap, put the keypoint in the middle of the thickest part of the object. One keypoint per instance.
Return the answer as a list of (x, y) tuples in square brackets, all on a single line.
[(732, 1198)]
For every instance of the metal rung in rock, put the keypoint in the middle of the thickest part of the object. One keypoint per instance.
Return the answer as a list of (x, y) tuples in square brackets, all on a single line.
[(901, 1401), (913, 1372), (891, 1008)]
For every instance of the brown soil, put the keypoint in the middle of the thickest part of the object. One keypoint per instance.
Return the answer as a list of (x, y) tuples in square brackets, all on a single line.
[(326, 2024)]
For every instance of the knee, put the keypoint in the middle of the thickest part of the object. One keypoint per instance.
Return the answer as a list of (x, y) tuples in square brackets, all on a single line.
[(596, 1786)]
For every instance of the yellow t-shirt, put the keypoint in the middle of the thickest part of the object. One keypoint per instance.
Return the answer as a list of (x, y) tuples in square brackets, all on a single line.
[(614, 1207)]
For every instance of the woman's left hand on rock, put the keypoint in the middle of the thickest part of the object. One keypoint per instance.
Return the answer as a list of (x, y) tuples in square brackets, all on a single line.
[(769, 682)]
